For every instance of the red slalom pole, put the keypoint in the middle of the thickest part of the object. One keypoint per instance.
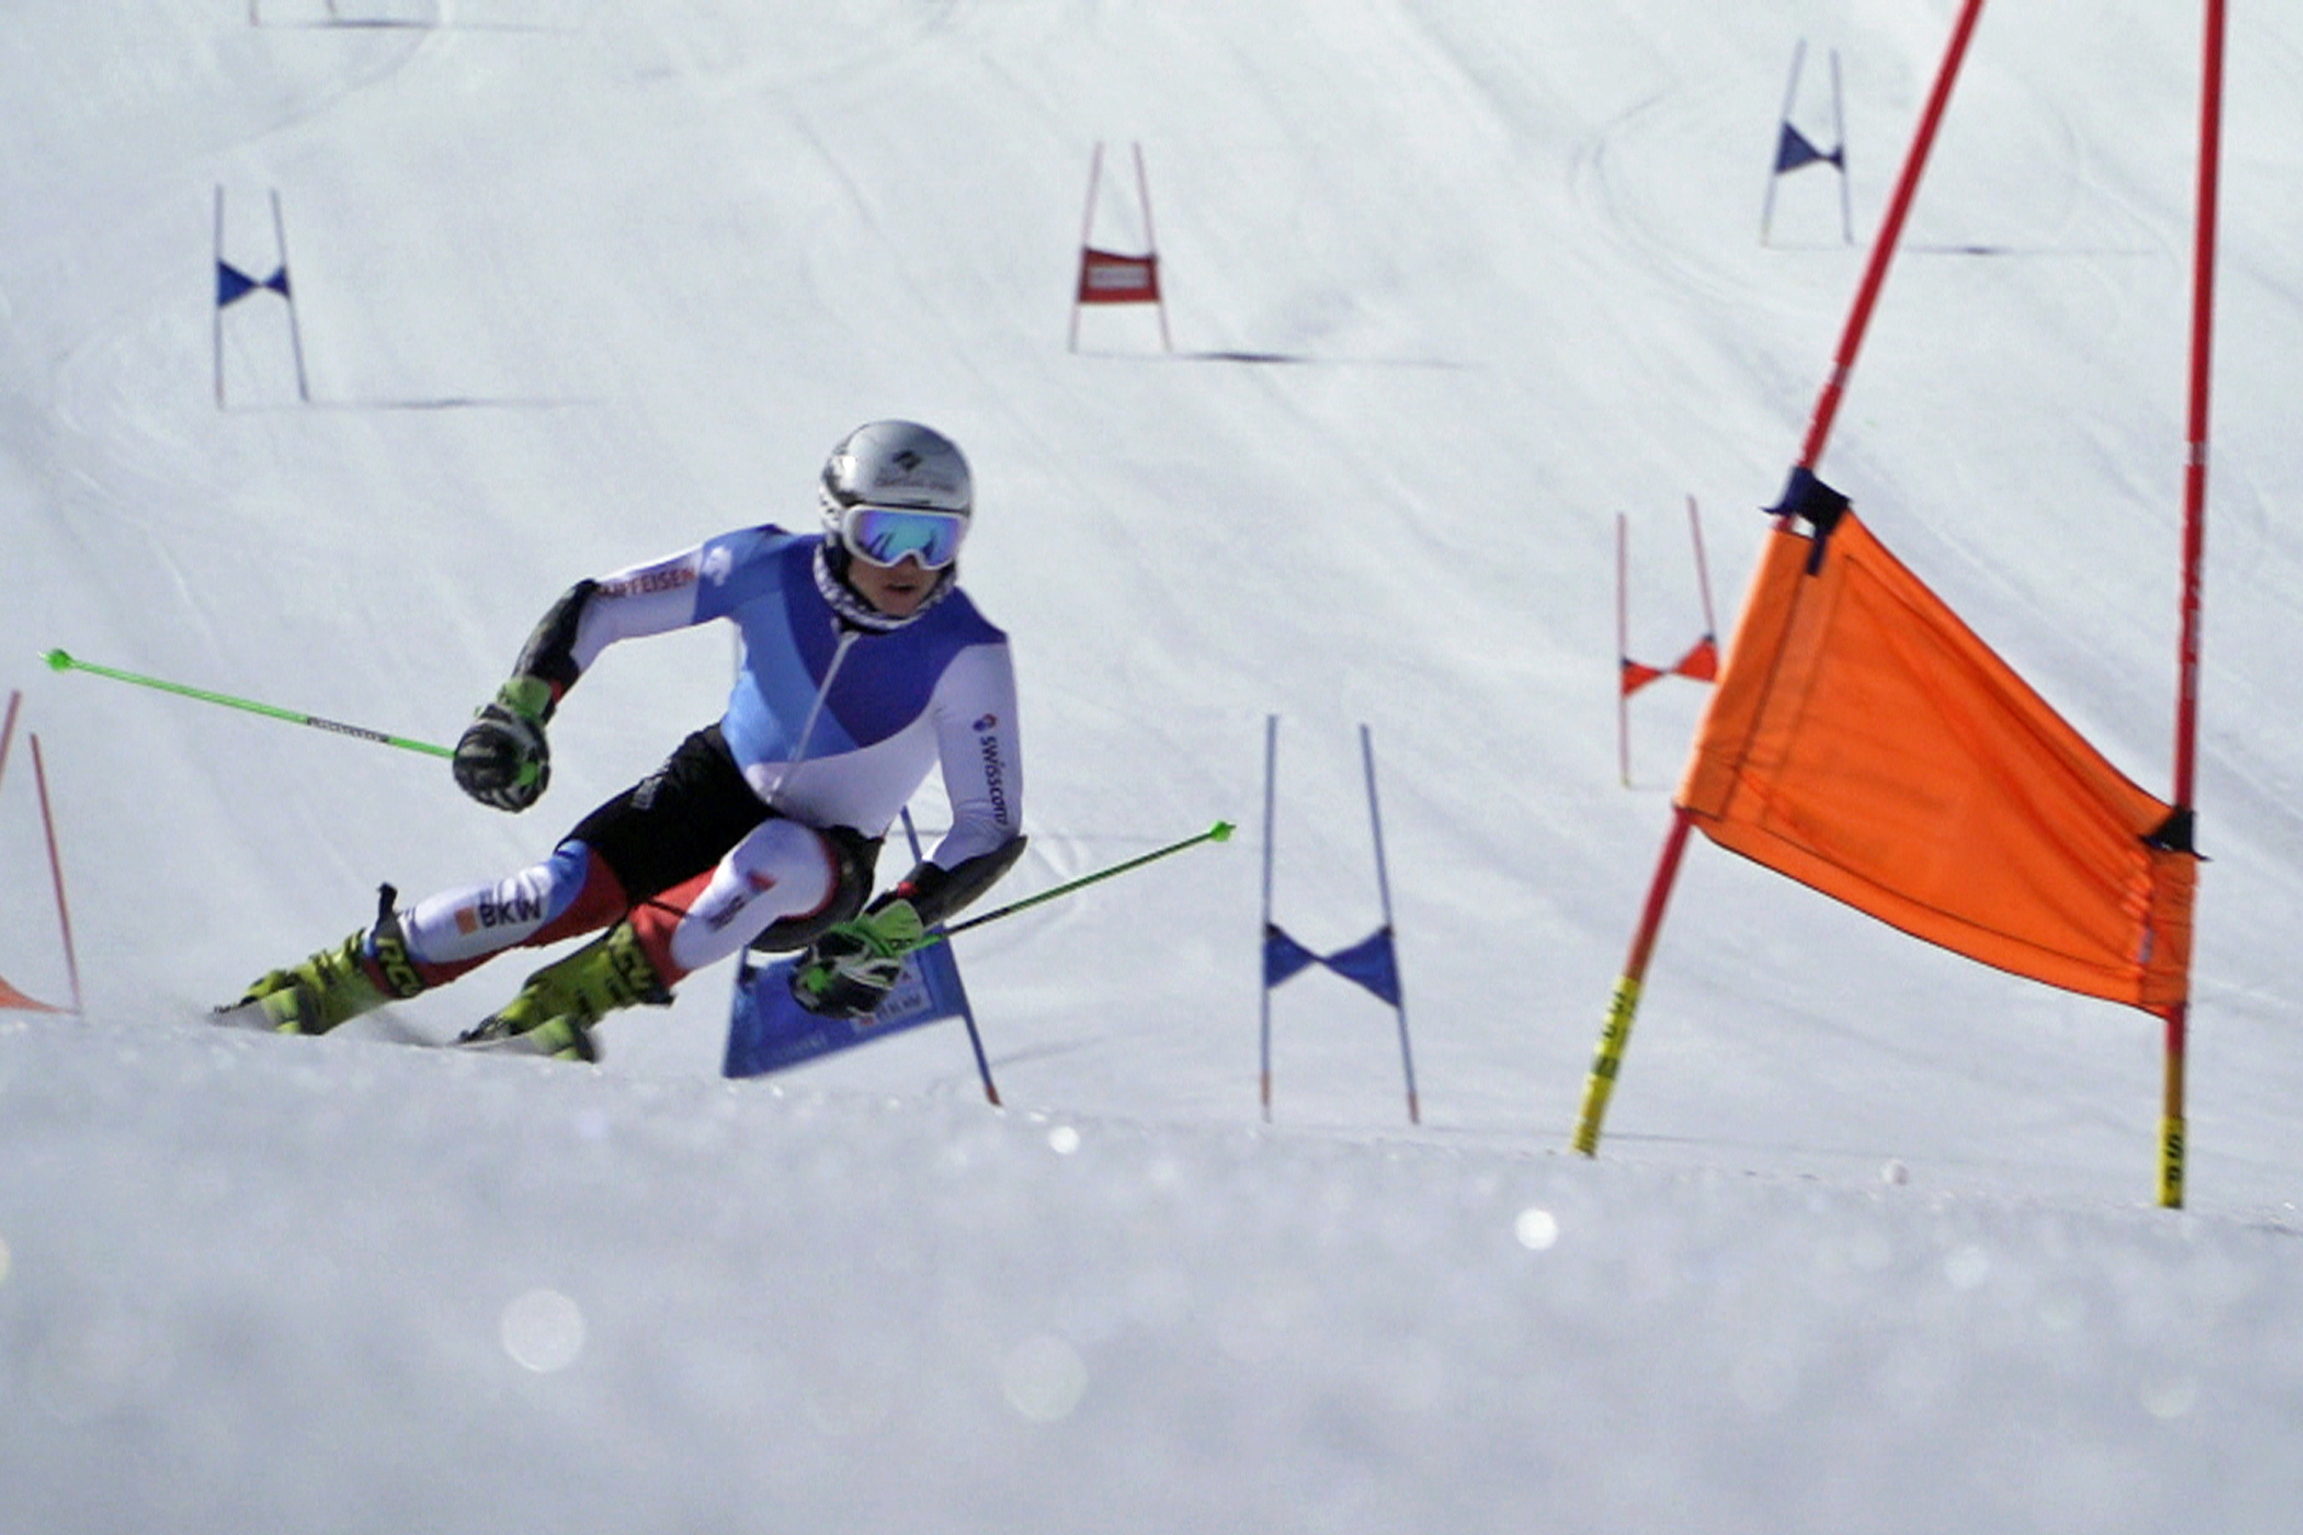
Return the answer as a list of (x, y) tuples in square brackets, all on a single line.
[(2202, 348), (1623, 1007), (56, 873), (1890, 236), (2178, 1015), (8, 730)]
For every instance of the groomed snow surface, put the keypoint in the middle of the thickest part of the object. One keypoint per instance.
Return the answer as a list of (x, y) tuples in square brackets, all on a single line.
[(1870, 1244)]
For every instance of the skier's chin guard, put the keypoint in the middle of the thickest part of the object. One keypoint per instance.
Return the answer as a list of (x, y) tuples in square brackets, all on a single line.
[(855, 859)]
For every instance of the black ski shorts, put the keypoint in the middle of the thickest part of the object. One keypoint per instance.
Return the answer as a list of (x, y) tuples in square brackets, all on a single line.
[(681, 819)]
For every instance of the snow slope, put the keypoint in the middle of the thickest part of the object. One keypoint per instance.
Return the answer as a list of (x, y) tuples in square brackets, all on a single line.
[(576, 284)]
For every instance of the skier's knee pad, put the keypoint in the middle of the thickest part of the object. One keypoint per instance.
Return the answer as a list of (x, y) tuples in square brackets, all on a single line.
[(854, 858), (779, 869)]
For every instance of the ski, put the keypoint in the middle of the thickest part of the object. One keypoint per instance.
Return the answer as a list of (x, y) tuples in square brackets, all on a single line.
[(251, 1017)]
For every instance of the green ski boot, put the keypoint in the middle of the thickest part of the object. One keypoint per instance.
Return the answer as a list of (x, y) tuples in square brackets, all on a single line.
[(335, 984), (557, 1006)]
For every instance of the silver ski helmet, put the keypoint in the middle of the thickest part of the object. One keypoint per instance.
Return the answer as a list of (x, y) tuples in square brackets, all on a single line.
[(897, 464)]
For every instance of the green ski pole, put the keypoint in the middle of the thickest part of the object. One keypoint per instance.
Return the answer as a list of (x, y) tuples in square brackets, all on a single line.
[(60, 661)]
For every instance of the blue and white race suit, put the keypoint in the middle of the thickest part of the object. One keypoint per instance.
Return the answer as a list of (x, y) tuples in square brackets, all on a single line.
[(835, 719)]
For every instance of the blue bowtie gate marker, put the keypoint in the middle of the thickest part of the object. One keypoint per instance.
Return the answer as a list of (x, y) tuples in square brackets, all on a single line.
[(234, 285), (1373, 962), (1794, 150)]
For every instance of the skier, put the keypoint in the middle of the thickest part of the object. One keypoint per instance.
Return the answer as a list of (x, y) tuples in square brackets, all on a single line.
[(864, 665)]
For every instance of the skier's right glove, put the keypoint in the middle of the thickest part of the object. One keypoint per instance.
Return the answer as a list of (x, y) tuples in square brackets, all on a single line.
[(849, 971), (502, 759)]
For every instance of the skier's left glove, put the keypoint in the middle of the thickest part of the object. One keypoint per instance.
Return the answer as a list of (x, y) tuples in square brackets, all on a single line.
[(502, 759), (849, 971)]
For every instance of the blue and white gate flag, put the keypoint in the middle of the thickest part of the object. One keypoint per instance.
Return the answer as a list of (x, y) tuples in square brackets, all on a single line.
[(1370, 962), (769, 1031)]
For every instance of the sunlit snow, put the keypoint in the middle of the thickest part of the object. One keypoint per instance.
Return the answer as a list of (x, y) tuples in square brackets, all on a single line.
[(1870, 1244)]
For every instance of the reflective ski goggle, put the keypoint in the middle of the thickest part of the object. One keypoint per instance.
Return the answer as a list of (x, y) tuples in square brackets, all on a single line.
[(889, 535)]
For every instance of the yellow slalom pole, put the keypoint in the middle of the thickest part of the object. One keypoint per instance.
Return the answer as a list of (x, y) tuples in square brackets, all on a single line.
[(2171, 1136), (1607, 1061)]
